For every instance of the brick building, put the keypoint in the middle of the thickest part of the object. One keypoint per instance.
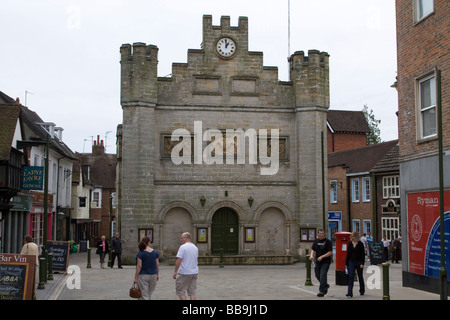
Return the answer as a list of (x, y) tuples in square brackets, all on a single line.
[(96, 181), (239, 206), (346, 130), (423, 63), (353, 176)]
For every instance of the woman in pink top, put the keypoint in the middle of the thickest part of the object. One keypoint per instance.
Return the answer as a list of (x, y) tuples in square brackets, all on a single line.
[(102, 250)]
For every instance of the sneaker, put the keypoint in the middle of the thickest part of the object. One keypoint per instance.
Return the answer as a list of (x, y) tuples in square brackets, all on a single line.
[(326, 289), (321, 294)]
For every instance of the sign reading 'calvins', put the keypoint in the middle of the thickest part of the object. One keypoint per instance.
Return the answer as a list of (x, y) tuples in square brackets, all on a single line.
[(33, 178)]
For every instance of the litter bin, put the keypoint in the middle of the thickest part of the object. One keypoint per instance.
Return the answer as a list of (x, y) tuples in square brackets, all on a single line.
[(342, 240)]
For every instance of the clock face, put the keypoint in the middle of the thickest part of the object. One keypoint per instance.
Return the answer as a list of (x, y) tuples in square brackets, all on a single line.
[(226, 47)]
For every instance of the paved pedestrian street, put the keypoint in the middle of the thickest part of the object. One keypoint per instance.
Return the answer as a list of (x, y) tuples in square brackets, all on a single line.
[(240, 282)]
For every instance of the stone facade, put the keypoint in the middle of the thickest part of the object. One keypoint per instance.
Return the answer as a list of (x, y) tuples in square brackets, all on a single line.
[(231, 206)]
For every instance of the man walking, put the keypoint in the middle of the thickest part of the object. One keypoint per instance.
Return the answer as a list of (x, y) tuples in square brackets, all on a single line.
[(321, 251), (116, 246), (186, 267)]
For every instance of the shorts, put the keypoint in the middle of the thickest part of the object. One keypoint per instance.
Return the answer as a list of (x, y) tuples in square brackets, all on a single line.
[(186, 282)]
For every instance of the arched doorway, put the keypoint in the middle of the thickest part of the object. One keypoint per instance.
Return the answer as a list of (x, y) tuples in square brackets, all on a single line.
[(225, 232), (176, 221)]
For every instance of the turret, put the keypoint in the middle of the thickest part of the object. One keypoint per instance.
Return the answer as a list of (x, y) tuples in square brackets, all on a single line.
[(310, 76), (139, 73)]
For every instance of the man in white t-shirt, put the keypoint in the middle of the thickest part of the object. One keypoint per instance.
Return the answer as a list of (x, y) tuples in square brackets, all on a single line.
[(186, 267)]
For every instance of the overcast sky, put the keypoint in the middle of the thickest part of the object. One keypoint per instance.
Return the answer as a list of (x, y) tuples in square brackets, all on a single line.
[(65, 54)]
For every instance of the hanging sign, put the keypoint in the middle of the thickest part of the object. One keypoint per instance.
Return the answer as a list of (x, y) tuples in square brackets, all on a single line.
[(33, 178)]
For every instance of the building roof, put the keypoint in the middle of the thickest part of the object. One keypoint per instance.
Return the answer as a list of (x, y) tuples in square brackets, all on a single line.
[(34, 131), (9, 115), (362, 159), (347, 121), (389, 163)]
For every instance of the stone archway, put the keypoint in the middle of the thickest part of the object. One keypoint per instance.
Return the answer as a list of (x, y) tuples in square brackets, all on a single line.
[(271, 232), (176, 221)]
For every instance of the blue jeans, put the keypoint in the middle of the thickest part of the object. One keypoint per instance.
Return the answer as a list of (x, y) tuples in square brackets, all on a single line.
[(321, 270), (352, 266)]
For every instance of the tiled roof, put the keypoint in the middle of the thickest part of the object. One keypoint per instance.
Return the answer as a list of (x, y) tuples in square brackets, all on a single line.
[(362, 159), (9, 115), (389, 163), (35, 131), (347, 121)]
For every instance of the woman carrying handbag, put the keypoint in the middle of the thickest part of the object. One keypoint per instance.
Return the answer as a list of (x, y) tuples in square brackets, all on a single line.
[(147, 269)]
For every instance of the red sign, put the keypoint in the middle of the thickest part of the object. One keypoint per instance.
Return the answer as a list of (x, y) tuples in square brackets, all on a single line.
[(424, 231)]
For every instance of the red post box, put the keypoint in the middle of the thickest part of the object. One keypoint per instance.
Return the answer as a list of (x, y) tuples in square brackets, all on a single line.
[(342, 240)]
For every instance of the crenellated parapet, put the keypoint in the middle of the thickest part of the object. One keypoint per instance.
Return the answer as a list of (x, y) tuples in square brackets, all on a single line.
[(310, 77), (139, 73)]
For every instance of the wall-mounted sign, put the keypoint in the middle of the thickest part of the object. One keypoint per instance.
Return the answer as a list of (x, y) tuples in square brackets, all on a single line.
[(424, 232)]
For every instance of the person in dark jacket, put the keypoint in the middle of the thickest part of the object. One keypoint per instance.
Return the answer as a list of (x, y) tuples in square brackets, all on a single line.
[(355, 261), (116, 250)]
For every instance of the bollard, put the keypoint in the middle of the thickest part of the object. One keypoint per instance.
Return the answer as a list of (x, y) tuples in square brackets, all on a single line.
[(41, 273), (109, 257), (50, 266), (221, 258), (386, 281), (308, 281), (45, 267), (88, 258)]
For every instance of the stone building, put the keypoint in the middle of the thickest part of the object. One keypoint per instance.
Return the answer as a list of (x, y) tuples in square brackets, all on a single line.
[(222, 149)]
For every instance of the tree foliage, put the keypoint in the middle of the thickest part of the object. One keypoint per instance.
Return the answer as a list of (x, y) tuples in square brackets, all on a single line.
[(373, 137)]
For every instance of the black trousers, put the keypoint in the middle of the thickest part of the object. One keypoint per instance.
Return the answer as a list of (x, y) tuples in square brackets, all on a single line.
[(119, 259)]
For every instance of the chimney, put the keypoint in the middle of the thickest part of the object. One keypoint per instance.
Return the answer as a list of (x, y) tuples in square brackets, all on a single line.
[(98, 149)]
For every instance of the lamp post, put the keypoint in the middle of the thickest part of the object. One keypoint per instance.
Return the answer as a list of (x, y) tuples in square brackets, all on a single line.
[(442, 270), (33, 143), (45, 222)]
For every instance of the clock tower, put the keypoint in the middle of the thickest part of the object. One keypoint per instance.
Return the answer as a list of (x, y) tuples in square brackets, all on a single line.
[(231, 205)]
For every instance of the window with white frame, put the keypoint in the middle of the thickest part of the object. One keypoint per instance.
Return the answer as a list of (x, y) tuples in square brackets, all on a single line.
[(355, 190), (423, 8), (391, 187), (333, 191), (356, 225), (96, 198), (427, 107), (366, 189), (390, 228), (367, 226)]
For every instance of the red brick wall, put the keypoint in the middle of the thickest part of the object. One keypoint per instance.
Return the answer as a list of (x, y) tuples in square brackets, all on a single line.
[(421, 46), (350, 210), (345, 141), (339, 174)]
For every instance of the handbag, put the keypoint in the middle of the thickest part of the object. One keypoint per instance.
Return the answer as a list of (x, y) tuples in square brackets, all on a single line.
[(135, 292)]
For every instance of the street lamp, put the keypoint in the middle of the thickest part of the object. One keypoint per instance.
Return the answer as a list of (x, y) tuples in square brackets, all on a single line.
[(32, 143)]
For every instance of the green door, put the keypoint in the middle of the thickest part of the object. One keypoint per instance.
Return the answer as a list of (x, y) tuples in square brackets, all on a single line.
[(224, 232)]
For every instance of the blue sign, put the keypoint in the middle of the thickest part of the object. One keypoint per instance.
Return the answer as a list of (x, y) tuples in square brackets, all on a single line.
[(433, 250), (33, 178), (335, 215)]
